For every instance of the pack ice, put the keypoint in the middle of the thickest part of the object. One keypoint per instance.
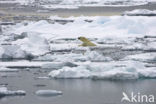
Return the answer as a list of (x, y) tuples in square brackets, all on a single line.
[(125, 46)]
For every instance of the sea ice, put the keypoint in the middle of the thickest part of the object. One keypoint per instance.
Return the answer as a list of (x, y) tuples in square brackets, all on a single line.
[(101, 27), (67, 72), (84, 56), (58, 65), (48, 93), (5, 92), (24, 46), (58, 43), (140, 12), (34, 44), (13, 51), (4, 69), (144, 57), (114, 70)]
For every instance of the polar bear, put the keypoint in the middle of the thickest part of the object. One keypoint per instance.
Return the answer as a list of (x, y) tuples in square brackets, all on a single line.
[(86, 42)]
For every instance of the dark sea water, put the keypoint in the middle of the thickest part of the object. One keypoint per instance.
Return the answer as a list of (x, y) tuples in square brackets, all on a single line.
[(75, 91)]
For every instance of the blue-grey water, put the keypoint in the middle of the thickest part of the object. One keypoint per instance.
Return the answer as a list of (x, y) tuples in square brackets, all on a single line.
[(75, 91)]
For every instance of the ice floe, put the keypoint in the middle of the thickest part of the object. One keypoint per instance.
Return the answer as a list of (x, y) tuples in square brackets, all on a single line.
[(5, 92), (60, 6), (13, 51), (101, 27), (114, 70), (23, 64), (33, 44), (4, 69), (48, 93), (24, 46), (140, 12)]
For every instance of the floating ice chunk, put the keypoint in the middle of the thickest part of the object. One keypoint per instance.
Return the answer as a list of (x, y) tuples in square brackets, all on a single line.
[(5, 92), (60, 6), (140, 12), (114, 70), (148, 73), (48, 93), (43, 77), (67, 72), (4, 69), (13, 51), (34, 44), (116, 75)]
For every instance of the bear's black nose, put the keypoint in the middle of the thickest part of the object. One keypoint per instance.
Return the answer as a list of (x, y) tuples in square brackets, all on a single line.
[(78, 37)]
